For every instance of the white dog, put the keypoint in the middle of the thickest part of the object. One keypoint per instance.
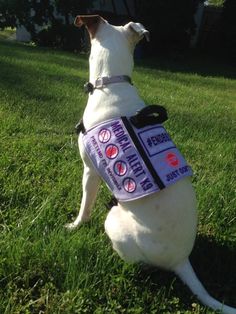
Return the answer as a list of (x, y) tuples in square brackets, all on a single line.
[(157, 229)]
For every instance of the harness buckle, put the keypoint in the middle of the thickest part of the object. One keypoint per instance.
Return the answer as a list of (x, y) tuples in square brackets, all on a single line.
[(99, 82), (80, 127), (88, 88)]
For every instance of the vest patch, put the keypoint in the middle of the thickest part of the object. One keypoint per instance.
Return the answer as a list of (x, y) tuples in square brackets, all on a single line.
[(134, 162)]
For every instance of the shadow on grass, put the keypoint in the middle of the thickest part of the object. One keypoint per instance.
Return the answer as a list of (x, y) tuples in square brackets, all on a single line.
[(214, 264), (192, 62)]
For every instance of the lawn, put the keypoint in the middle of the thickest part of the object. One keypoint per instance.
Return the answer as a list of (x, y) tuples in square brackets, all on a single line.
[(44, 268), (7, 33)]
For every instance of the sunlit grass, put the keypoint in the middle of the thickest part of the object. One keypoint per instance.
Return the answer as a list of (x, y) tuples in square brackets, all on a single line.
[(7, 33)]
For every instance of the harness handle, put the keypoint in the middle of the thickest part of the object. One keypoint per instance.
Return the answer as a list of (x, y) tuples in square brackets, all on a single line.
[(150, 115)]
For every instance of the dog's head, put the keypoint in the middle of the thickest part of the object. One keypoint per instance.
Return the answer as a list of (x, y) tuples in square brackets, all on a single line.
[(111, 46), (134, 31)]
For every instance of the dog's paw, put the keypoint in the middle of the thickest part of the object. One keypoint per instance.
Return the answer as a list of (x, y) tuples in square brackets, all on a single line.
[(72, 226)]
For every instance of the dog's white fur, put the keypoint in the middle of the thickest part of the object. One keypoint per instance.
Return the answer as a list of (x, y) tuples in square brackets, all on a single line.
[(158, 229)]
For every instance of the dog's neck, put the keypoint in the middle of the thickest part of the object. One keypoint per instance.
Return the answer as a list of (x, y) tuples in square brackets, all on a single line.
[(103, 61)]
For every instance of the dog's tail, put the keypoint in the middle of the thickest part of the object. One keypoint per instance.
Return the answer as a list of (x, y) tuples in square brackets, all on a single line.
[(188, 276)]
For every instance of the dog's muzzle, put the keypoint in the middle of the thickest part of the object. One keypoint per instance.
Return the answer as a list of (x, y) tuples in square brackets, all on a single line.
[(101, 82)]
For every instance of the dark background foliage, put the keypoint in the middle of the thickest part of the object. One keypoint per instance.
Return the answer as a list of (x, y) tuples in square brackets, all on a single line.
[(171, 23), (229, 27)]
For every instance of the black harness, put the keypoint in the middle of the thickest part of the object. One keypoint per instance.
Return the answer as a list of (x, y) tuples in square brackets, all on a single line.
[(150, 115)]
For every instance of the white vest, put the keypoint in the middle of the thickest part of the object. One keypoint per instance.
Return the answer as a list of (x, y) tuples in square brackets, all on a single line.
[(134, 162)]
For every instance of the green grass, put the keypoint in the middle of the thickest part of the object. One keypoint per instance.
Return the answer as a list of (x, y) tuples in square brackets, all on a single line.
[(216, 3), (43, 268), (7, 33)]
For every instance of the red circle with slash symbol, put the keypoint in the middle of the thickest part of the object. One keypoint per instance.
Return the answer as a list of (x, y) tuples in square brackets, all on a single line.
[(104, 135), (112, 151), (172, 159), (120, 168), (129, 185)]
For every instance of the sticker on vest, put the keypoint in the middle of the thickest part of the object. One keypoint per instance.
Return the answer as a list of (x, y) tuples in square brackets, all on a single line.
[(134, 162)]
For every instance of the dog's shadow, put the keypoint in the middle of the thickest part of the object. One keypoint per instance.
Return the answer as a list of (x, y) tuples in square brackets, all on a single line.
[(215, 266)]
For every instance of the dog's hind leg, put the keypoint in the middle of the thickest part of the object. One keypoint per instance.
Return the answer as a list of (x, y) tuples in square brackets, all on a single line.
[(119, 230)]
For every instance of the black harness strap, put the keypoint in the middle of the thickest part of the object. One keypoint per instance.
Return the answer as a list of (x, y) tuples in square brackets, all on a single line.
[(150, 115), (143, 154), (80, 127), (113, 202)]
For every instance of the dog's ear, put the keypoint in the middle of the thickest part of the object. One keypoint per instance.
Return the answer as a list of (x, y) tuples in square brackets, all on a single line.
[(137, 31), (90, 21)]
